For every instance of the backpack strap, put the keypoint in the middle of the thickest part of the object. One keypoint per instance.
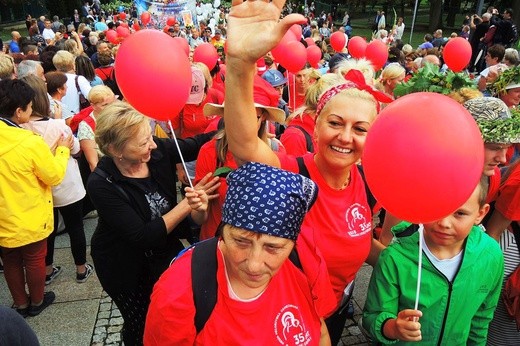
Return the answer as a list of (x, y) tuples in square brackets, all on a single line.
[(516, 232), (302, 169), (77, 84), (308, 138), (204, 280), (370, 197)]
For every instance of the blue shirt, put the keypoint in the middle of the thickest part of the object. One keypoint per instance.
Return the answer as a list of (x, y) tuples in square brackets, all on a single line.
[(14, 47)]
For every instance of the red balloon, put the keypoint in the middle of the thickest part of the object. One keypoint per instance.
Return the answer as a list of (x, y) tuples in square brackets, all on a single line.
[(157, 85), (457, 54), (313, 55), (293, 56), (207, 54), (122, 15), (338, 40), (165, 28), (310, 41), (136, 26), (145, 18), (377, 53), (111, 36), (182, 44), (171, 21), (296, 30), (423, 157), (122, 31), (357, 46), (279, 49)]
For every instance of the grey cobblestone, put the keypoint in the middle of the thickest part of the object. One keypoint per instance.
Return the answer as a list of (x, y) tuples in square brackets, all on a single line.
[(115, 329), (113, 338), (104, 314), (116, 321), (101, 322), (105, 306)]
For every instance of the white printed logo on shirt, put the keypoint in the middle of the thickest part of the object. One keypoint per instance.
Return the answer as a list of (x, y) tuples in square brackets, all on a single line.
[(357, 222), (288, 327)]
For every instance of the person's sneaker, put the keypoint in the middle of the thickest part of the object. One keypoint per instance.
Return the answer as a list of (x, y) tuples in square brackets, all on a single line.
[(82, 277), (48, 299), (24, 312), (56, 270)]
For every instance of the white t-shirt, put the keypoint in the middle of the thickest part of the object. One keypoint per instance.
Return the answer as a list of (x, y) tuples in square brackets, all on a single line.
[(71, 99), (448, 266), (48, 34), (399, 31)]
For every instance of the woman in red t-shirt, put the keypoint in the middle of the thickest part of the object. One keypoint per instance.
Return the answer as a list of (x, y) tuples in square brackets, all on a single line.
[(340, 221), (300, 125), (191, 120)]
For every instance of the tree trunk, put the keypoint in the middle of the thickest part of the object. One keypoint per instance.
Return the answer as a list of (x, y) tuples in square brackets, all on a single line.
[(516, 11), (452, 12), (435, 15)]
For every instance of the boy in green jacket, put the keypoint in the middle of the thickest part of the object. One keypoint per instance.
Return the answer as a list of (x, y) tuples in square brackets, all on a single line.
[(462, 271)]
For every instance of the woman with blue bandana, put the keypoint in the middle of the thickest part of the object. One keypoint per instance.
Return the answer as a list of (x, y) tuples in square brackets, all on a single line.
[(339, 225), (262, 297)]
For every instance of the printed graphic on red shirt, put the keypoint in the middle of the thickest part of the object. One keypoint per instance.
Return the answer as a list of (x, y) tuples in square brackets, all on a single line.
[(356, 220), (289, 329)]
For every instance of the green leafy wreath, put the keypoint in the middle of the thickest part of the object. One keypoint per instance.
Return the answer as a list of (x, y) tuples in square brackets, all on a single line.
[(505, 130), (511, 75), (430, 78)]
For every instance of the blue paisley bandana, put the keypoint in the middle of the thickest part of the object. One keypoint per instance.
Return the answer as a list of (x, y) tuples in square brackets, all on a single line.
[(268, 200)]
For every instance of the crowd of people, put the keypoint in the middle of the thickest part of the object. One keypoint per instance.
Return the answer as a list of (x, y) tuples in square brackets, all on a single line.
[(270, 168)]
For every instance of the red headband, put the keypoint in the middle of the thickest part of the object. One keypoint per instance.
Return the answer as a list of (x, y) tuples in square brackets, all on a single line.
[(355, 79)]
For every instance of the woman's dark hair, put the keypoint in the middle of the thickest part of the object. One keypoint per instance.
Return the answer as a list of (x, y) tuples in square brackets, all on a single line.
[(85, 68), (14, 94), (46, 59), (55, 80)]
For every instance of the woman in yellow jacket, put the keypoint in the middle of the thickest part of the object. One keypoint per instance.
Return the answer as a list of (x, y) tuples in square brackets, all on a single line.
[(28, 169)]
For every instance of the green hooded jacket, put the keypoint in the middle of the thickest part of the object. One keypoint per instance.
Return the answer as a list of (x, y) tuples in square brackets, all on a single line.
[(456, 313)]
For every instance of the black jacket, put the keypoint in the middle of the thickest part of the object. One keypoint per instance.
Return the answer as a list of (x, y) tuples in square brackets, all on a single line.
[(126, 236)]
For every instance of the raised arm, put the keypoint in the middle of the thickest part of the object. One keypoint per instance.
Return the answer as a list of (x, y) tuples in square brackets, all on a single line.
[(254, 29)]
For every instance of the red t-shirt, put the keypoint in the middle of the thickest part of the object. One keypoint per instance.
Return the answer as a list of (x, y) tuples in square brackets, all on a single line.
[(295, 101), (494, 184), (282, 315), (207, 162), (340, 223), (508, 199), (104, 72), (193, 120), (294, 140)]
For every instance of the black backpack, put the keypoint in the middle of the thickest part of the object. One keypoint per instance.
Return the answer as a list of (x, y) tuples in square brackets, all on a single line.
[(308, 138), (204, 278), (110, 81)]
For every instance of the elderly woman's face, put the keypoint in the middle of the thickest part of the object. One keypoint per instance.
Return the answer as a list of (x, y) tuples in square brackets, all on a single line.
[(341, 130), (252, 260), (511, 97), (138, 148)]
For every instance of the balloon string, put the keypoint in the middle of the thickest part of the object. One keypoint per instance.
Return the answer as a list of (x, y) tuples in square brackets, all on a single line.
[(419, 266), (294, 92), (180, 154)]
